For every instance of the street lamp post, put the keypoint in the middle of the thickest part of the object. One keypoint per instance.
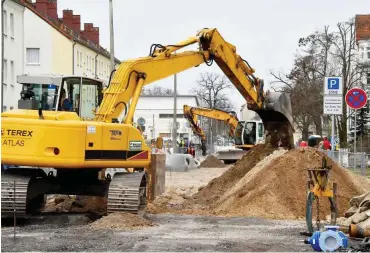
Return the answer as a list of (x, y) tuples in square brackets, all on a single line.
[(112, 67), (174, 125)]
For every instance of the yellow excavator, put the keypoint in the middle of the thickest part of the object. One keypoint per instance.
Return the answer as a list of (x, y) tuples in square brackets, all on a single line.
[(80, 150), (246, 134)]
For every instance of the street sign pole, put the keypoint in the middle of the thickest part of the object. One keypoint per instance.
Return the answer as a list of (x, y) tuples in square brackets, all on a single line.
[(332, 133), (355, 133), (333, 103), (356, 98)]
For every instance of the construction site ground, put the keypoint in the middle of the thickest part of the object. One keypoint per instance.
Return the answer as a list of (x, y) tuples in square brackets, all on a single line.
[(241, 207), (171, 233)]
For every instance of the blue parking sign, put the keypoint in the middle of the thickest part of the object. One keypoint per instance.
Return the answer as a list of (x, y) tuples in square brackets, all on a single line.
[(333, 83)]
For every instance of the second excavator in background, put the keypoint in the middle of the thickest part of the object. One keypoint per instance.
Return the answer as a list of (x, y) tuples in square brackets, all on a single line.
[(246, 134), (80, 150)]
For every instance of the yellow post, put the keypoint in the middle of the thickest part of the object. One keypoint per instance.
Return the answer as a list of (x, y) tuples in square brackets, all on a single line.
[(135, 98)]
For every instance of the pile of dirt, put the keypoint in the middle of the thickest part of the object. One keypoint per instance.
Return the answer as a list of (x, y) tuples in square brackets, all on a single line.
[(212, 162), (268, 183), (66, 203), (121, 220), (278, 190), (218, 186)]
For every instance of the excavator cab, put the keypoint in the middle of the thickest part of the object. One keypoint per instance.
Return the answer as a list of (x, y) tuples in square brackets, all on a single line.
[(82, 95), (249, 133)]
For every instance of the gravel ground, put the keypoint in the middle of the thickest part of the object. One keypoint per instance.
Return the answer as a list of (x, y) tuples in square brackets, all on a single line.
[(193, 178), (173, 233)]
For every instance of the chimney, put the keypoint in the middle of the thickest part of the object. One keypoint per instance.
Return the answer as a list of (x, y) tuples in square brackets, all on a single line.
[(76, 23), (95, 35), (42, 6), (88, 31), (68, 18), (52, 9)]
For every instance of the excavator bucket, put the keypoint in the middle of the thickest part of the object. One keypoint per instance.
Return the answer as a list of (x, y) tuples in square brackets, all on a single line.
[(277, 119)]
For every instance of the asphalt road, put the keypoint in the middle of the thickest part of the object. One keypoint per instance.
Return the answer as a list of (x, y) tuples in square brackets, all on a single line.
[(172, 233)]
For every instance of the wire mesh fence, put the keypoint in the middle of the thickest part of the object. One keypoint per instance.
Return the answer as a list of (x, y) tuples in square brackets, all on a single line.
[(358, 162)]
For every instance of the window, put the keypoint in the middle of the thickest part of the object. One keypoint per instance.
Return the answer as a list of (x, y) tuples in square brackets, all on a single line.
[(12, 25), (5, 20), (93, 66), (368, 79), (169, 115), (11, 108), (78, 59), (5, 71), (12, 73), (368, 55), (4, 108), (33, 55), (260, 130), (87, 62)]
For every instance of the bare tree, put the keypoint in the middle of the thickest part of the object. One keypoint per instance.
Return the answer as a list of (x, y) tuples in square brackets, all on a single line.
[(323, 53), (210, 91), (157, 91)]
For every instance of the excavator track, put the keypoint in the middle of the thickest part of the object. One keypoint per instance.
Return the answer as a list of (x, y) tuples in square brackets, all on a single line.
[(127, 193), (14, 195)]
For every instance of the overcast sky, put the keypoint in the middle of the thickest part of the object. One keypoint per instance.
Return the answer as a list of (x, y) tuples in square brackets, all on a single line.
[(265, 32)]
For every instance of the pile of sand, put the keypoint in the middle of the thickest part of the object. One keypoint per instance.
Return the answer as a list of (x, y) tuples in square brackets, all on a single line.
[(218, 186), (278, 190), (212, 162), (121, 220), (270, 184), (66, 203)]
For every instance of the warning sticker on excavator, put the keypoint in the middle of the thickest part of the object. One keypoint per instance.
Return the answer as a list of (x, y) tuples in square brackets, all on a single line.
[(91, 129), (135, 145)]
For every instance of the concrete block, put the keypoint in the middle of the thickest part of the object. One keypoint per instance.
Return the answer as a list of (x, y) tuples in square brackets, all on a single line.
[(181, 163)]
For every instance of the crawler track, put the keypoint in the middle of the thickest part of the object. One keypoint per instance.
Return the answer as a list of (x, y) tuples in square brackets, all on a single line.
[(127, 192), (11, 195)]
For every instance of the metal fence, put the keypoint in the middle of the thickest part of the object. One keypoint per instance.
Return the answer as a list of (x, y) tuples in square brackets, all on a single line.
[(358, 162)]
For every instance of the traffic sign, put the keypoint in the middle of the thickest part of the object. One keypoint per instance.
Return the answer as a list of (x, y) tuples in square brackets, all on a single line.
[(333, 105), (333, 85), (356, 98)]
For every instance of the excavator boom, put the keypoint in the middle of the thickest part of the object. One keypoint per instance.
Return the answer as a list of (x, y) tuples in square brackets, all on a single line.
[(163, 61)]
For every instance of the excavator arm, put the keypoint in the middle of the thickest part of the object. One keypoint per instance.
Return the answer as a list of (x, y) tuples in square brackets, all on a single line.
[(192, 113), (163, 61)]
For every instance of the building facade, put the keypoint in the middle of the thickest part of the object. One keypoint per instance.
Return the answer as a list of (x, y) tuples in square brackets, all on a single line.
[(158, 114), (13, 63), (47, 44)]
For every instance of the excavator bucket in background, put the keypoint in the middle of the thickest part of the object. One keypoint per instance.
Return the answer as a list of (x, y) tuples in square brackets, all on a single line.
[(277, 119)]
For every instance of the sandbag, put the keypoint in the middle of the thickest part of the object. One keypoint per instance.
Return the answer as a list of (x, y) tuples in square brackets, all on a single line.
[(356, 201), (358, 217)]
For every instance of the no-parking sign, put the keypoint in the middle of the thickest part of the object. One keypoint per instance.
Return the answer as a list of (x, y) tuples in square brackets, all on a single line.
[(356, 98)]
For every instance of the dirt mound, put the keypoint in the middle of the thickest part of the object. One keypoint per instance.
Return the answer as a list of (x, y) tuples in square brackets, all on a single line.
[(278, 190), (212, 162), (65, 203), (121, 220), (218, 186), (267, 183)]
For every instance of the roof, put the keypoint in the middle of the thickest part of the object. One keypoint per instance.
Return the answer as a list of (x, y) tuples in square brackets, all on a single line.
[(66, 31), (49, 78), (171, 96), (362, 27)]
